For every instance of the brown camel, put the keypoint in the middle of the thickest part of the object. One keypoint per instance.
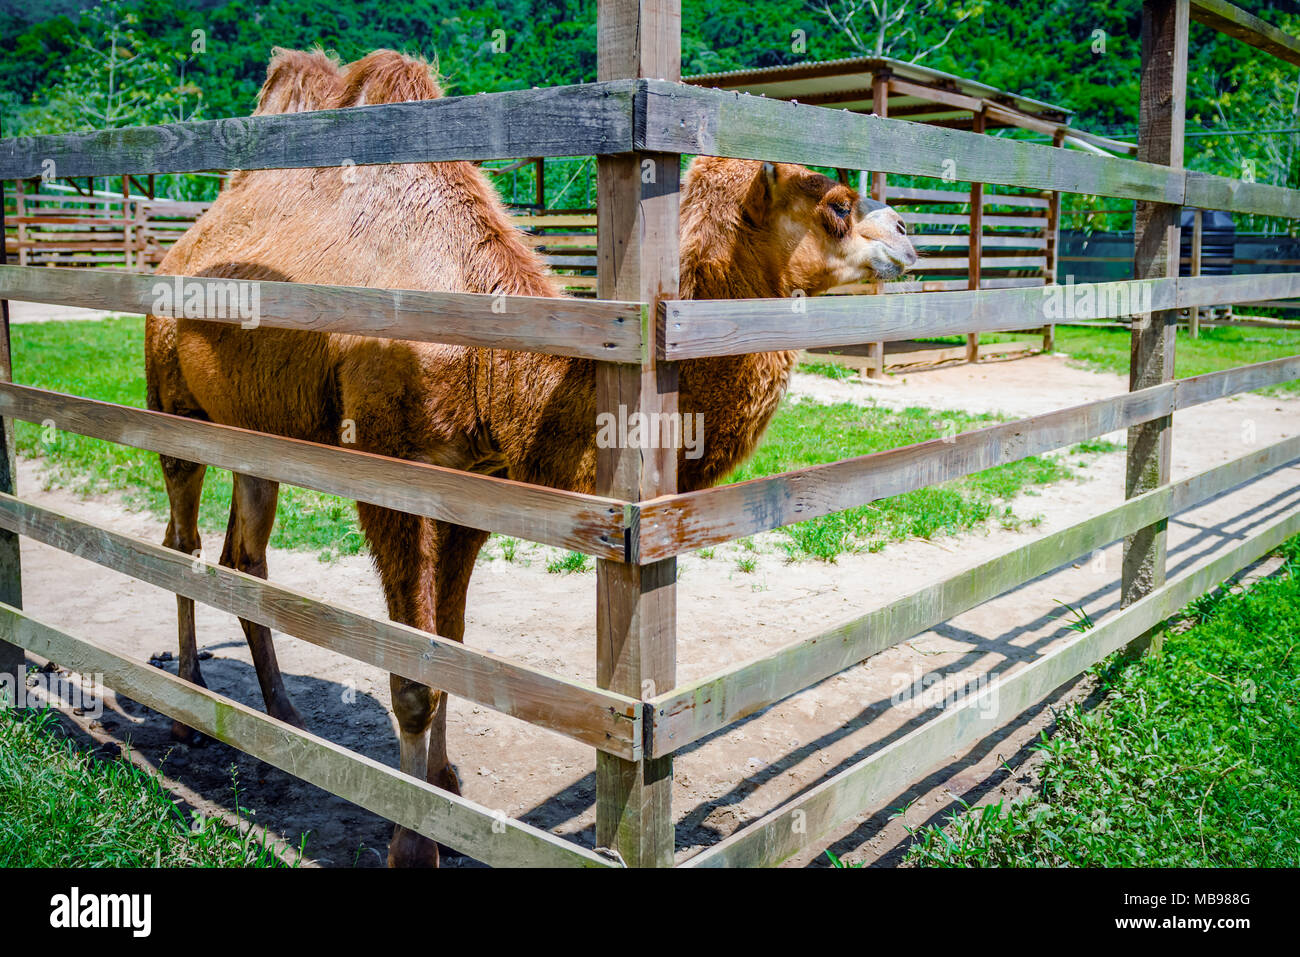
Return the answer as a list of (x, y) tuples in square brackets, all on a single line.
[(748, 230)]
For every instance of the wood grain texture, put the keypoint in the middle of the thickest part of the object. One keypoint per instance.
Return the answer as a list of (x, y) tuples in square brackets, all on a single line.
[(727, 123), (557, 326), (636, 606), (1161, 123), (1235, 22), (578, 120), (587, 523), (605, 720), (703, 327), (696, 710), (476, 830), (12, 660), (691, 119), (811, 818), (680, 523)]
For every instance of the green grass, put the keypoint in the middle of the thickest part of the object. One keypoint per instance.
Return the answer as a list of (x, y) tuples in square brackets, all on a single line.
[(828, 370), (568, 563), (104, 360), (1191, 761), (805, 433), (63, 808), (1107, 350)]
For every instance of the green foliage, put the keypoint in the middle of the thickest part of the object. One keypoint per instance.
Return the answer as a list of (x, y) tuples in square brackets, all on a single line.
[(1220, 347), (64, 808), (806, 433), (1190, 762)]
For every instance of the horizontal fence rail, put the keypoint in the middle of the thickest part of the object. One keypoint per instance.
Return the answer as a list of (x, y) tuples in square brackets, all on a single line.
[(586, 523), (489, 836), (888, 772), (674, 524), (605, 720), (691, 712), (580, 120), (1236, 22), (583, 328), (691, 119), (696, 328)]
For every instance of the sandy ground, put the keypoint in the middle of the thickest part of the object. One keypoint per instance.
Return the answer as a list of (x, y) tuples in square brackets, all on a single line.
[(726, 616), (28, 312)]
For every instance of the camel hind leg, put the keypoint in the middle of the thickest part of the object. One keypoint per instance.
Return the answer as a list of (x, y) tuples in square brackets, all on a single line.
[(184, 481), (252, 516)]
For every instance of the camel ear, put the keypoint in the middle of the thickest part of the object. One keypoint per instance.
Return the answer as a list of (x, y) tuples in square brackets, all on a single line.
[(758, 201)]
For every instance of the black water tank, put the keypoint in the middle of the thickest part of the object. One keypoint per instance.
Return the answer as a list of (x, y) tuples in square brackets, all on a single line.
[(1218, 241)]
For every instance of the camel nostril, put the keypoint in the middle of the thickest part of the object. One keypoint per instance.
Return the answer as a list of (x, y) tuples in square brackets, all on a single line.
[(902, 228)]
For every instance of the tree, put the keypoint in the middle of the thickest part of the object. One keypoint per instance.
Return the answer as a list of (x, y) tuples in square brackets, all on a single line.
[(895, 27), (116, 76)]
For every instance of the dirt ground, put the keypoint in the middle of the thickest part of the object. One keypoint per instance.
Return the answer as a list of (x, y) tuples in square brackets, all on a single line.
[(726, 616)]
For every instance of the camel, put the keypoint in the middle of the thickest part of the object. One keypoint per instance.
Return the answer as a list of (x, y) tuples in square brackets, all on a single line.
[(749, 229)]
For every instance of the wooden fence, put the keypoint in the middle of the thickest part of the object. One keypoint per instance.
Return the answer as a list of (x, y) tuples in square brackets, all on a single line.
[(637, 717)]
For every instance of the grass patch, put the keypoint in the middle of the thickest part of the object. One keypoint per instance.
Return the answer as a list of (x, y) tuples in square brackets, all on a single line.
[(104, 360), (805, 433), (1221, 347), (569, 563), (1192, 760), (63, 808), (828, 370)]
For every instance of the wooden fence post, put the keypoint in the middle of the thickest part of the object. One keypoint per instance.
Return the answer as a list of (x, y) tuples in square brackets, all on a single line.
[(976, 248), (12, 658), (1053, 232), (636, 606), (1160, 140), (880, 106), (1194, 314)]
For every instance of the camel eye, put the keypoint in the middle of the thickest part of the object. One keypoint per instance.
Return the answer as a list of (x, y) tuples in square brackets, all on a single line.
[(841, 210)]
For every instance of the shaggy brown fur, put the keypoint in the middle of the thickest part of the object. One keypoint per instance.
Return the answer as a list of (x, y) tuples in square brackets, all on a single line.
[(748, 230)]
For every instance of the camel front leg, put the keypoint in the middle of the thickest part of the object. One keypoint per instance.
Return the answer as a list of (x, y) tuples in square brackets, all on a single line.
[(252, 516), (456, 549)]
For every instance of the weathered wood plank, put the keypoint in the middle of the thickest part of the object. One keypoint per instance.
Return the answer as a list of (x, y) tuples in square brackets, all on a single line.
[(690, 119), (691, 712), (1207, 191), (703, 327), (12, 660), (810, 818), (586, 523), (1225, 290), (605, 720), (1161, 122), (674, 524), (636, 606), (1236, 22), (557, 326), (476, 830), (578, 120)]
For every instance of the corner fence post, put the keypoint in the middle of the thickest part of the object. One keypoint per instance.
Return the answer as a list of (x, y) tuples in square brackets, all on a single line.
[(1161, 119), (12, 659), (636, 605)]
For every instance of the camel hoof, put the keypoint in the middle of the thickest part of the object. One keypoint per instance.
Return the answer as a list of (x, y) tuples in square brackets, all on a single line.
[(288, 714), (184, 734), (448, 779), (409, 849)]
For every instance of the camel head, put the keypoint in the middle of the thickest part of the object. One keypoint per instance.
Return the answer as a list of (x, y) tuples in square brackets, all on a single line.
[(780, 227)]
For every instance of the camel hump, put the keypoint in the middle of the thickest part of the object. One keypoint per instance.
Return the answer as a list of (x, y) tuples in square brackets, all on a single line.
[(386, 76), (298, 81)]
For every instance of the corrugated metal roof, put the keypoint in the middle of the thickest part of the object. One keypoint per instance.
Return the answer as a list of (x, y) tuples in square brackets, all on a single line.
[(846, 76)]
